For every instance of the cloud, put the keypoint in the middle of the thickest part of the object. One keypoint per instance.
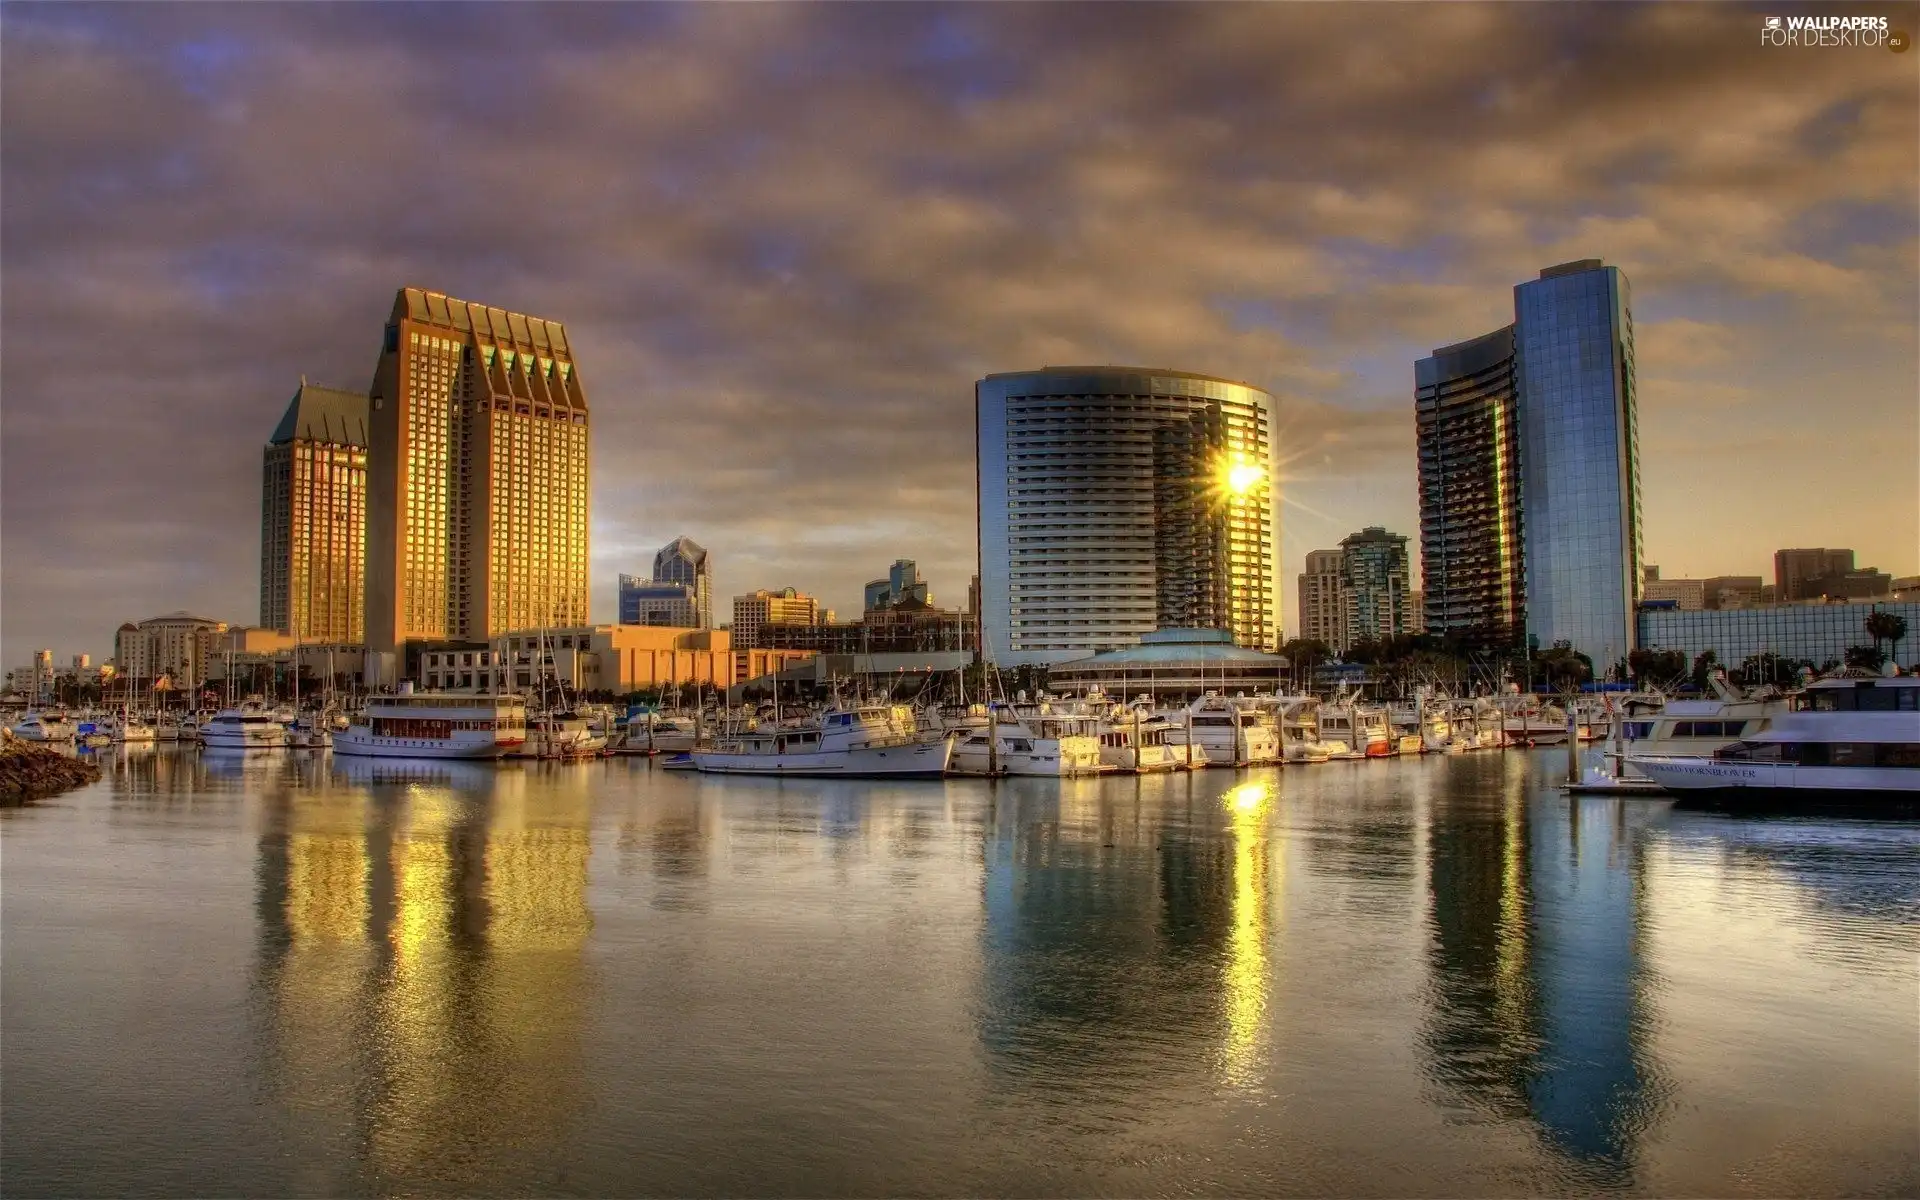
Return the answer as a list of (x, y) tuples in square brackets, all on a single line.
[(787, 239)]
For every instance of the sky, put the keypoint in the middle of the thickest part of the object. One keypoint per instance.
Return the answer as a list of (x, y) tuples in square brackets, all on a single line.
[(787, 239)]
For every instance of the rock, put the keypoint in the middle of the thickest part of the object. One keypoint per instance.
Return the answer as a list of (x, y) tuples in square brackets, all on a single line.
[(31, 772)]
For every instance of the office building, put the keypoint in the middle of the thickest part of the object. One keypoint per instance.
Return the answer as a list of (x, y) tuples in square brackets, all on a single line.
[(903, 582), (1862, 583), (1688, 595), (684, 561), (1792, 569), (1815, 633), (313, 517), (784, 607), (1114, 501), (1374, 576), (1530, 480), (644, 601), (178, 648), (600, 658), (1472, 568), (477, 500), (1323, 609)]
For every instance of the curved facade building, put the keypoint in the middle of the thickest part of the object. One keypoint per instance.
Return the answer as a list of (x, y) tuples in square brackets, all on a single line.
[(1119, 500)]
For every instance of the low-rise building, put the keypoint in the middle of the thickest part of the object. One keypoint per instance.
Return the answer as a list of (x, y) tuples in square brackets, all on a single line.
[(599, 658), (1173, 664), (178, 647)]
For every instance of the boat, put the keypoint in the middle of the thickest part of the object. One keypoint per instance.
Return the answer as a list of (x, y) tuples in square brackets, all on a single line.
[(1234, 732), (168, 729), (310, 732), (1352, 730), (866, 741), (1136, 744), (412, 724), (130, 729), (44, 727), (250, 726), (1854, 742), (1046, 743)]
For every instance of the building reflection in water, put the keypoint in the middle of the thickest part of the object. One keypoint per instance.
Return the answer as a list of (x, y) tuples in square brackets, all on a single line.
[(420, 961), (1127, 934), (1538, 1010)]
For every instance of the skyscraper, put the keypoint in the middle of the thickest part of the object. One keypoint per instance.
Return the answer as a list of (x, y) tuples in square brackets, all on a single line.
[(1374, 585), (1529, 471), (903, 582), (1323, 609), (1794, 569), (684, 561), (1114, 501), (784, 607), (313, 518), (1579, 458), (477, 475), (1469, 444)]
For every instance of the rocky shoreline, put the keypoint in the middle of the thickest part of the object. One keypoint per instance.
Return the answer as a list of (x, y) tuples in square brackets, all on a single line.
[(30, 772)]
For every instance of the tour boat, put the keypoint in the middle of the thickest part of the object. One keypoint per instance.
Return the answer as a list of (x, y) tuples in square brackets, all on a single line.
[(251, 726), (1234, 733), (1855, 741), (877, 741), (44, 727), (1046, 743), (413, 724)]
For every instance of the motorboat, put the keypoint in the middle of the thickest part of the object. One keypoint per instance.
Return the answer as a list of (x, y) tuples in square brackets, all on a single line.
[(1135, 743), (1234, 732), (1854, 741), (865, 741), (1043, 743), (250, 726), (44, 727), (1351, 729), (309, 732), (413, 724)]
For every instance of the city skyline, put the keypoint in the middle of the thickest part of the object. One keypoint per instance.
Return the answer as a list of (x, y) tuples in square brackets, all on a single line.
[(786, 262)]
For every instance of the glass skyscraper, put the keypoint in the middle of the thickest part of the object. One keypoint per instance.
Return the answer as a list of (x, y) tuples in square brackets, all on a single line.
[(1579, 468), (1119, 500), (1529, 471)]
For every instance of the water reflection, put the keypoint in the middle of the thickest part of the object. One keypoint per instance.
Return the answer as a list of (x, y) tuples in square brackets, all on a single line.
[(420, 949)]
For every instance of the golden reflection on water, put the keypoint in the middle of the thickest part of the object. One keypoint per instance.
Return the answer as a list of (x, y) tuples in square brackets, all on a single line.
[(1510, 956), (1244, 987)]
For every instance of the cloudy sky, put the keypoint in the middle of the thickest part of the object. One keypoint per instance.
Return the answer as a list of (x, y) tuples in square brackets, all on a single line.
[(786, 239)]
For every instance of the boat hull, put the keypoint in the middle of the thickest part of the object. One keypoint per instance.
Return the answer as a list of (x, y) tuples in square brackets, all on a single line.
[(913, 761), (1714, 783), (355, 743)]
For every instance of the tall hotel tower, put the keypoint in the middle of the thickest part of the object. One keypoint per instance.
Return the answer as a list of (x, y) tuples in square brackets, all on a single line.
[(313, 518), (477, 475), (1529, 470), (1119, 500)]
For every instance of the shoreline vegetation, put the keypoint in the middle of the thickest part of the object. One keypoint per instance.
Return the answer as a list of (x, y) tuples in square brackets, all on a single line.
[(29, 772)]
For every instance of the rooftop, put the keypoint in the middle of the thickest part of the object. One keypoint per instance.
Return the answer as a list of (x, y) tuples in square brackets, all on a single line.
[(323, 414), (1168, 647)]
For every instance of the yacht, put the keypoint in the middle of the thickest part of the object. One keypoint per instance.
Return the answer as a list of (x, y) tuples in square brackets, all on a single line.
[(1136, 744), (413, 724), (867, 741), (1045, 743), (44, 727), (1855, 740), (1689, 728), (1350, 729), (251, 726), (1234, 733)]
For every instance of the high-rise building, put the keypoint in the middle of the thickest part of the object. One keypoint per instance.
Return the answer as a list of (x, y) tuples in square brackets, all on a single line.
[(678, 594), (1374, 577), (1529, 471), (1793, 569), (1323, 609), (684, 561), (903, 582), (477, 505), (178, 647), (784, 607), (1470, 525), (313, 518), (1579, 458), (1114, 501)]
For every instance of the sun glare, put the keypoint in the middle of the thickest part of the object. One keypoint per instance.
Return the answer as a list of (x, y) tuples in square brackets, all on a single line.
[(1243, 478)]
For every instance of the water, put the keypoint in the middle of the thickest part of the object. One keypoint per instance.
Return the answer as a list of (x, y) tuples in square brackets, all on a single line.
[(1433, 977)]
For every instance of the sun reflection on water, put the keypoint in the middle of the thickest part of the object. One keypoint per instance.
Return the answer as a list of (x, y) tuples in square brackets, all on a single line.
[(1245, 983)]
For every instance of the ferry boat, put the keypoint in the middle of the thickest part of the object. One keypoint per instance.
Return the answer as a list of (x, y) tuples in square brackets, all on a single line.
[(1046, 743), (869, 741), (1234, 734), (44, 727), (1855, 741), (435, 725), (251, 726)]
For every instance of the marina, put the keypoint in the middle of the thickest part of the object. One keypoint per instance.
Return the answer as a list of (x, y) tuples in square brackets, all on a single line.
[(407, 975)]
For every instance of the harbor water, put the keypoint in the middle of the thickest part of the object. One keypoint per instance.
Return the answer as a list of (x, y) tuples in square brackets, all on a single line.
[(295, 974)]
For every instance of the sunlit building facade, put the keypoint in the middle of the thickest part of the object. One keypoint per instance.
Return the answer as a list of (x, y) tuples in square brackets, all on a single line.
[(785, 607), (1323, 609), (313, 518), (1473, 574), (1374, 588), (1114, 501), (477, 475)]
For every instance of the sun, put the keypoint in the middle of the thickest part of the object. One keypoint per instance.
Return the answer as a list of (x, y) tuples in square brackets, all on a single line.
[(1243, 478)]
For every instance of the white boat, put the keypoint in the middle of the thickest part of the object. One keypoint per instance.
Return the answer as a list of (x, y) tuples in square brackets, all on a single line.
[(44, 727), (310, 732), (1136, 744), (1234, 733), (1045, 743), (1854, 742), (435, 725), (877, 741), (251, 726), (1691, 728), (129, 729), (167, 729), (1353, 730), (560, 735)]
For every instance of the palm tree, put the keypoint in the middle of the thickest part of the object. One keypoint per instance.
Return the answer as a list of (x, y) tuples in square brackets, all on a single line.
[(1887, 627)]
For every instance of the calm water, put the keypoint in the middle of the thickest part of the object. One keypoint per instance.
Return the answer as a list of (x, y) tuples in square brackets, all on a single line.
[(1427, 977)]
